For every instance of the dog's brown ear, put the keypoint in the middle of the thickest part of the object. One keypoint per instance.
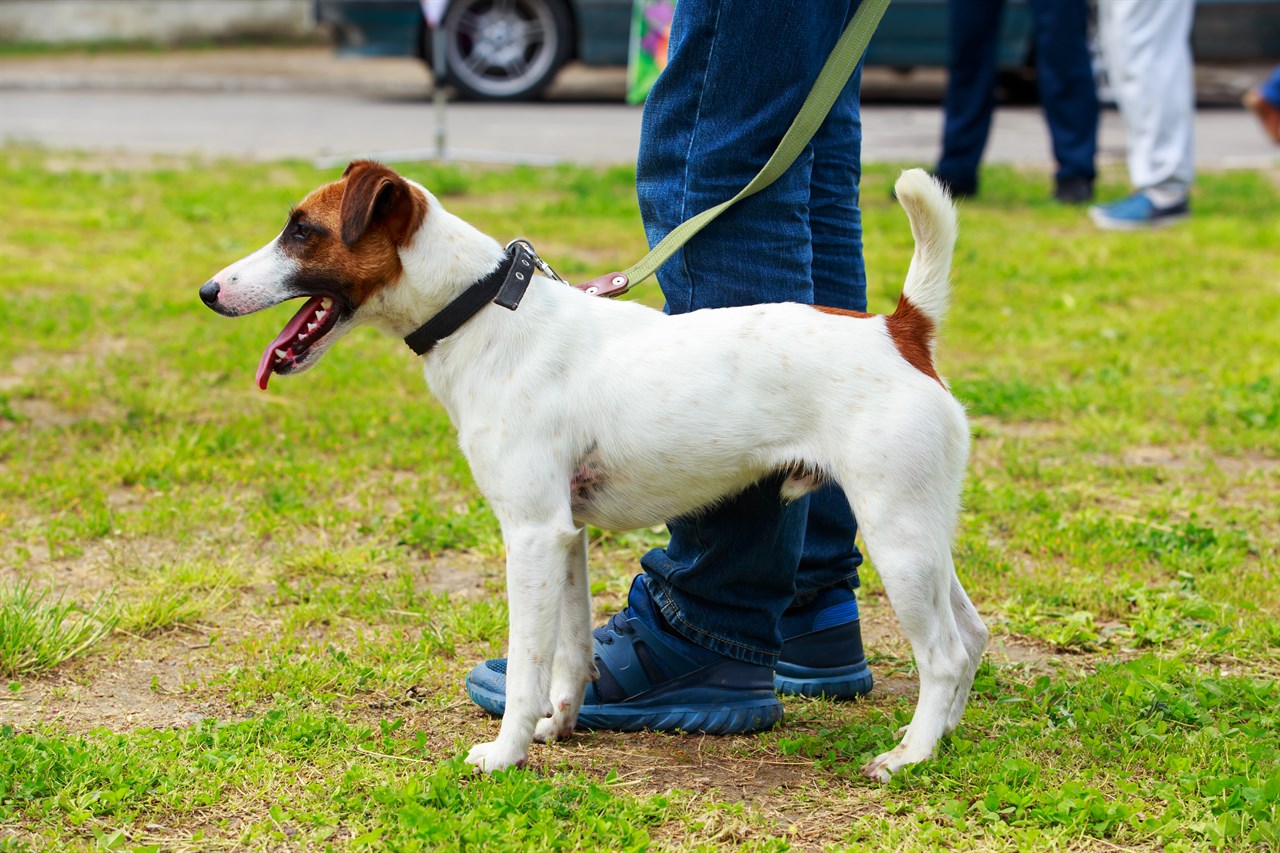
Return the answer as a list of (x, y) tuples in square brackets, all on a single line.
[(376, 197)]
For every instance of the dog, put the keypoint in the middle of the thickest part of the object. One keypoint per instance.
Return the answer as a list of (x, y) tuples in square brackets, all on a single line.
[(543, 382)]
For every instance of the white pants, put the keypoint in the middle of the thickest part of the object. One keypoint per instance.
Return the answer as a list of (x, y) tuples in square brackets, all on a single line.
[(1146, 45)]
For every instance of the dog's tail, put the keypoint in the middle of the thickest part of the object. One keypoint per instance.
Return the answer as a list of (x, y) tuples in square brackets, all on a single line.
[(933, 223), (928, 288)]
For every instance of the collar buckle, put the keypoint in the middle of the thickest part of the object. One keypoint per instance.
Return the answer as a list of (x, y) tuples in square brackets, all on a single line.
[(543, 266), (519, 273)]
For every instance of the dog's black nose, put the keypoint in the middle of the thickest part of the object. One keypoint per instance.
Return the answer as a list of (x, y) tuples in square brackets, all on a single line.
[(209, 292)]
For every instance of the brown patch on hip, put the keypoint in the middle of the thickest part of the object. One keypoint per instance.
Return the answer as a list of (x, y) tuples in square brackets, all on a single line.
[(911, 329)]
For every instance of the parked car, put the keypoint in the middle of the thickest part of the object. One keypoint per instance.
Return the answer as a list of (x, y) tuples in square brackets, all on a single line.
[(495, 49), (513, 49)]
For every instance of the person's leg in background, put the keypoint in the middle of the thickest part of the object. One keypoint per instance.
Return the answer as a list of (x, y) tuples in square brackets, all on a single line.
[(973, 38), (1068, 94), (1147, 50)]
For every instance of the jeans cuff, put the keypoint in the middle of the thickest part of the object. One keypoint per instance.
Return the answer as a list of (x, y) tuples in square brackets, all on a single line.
[(714, 642), (850, 581)]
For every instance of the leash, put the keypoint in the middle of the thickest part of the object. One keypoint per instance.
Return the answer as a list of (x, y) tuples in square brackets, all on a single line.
[(830, 83), (507, 283)]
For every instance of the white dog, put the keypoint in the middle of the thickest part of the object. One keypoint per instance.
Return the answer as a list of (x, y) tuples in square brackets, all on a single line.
[(570, 383)]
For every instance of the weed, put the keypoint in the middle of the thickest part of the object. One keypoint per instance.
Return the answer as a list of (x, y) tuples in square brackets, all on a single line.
[(38, 632)]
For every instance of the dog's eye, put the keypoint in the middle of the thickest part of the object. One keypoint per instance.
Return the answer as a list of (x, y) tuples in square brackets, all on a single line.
[(301, 231)]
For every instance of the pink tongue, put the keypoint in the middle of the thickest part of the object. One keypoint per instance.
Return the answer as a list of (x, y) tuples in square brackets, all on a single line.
[(286, 336)]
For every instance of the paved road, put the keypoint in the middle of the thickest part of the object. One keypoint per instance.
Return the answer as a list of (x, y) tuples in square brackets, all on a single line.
[(265, 104)]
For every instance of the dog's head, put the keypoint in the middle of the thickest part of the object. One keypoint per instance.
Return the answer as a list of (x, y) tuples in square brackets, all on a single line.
[(340, 247)]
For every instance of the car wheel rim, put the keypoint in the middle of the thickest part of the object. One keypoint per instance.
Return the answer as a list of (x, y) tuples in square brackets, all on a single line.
[(501, 47)]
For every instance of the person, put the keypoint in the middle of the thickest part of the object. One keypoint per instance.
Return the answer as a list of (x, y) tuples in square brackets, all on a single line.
[(1146, 47), (1264, 101), (754, 593), (1064, 76)]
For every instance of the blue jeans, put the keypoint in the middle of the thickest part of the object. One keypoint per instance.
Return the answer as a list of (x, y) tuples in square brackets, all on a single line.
[(1064, 76), (737, 73)]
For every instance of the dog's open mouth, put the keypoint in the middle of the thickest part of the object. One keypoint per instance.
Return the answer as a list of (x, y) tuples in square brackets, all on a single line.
[(312, 322)]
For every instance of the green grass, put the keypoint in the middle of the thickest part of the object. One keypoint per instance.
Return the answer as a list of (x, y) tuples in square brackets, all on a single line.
[(39, 630), (179, 595), (302, 578)]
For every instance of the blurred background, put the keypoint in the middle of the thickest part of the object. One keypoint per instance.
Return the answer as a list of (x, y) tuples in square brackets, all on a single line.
[(332, 78)]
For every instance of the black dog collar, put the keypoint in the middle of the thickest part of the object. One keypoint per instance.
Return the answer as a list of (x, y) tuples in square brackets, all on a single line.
[(504, 286)]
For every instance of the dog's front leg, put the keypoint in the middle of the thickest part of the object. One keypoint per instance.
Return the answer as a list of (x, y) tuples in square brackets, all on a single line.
[(536, 560), (573, 666)]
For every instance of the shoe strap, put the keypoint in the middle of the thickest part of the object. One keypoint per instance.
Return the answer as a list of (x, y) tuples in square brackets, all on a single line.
[(835, 615), (624, 665)]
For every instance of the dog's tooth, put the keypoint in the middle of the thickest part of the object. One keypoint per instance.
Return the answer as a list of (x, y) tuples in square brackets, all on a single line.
[(321, 314), (281, 354), (326, 303), (311, 327)]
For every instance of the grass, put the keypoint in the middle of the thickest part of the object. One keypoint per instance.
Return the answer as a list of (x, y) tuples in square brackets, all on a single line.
[(291, 586), (38, 632)]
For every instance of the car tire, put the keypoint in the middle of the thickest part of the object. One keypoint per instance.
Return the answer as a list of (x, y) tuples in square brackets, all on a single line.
[(504, 50)]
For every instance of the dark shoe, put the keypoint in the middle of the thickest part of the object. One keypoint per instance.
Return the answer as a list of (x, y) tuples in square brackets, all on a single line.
[(652, 679), (1136, 212), (822, 649), (1073, 190)]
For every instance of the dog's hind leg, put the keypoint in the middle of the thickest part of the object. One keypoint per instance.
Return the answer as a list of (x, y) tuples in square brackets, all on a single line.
[(573, 666), (908, 535), (536, 558), (974, 634)]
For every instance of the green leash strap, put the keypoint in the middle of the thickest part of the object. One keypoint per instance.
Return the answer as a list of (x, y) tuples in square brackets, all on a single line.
[(831, 81)]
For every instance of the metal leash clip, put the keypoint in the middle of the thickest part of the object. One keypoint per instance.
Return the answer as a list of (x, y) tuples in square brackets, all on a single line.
[(609, 285), (543, 266)]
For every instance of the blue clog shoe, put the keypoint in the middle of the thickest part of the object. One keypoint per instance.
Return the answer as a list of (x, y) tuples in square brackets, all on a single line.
[(652, 679)]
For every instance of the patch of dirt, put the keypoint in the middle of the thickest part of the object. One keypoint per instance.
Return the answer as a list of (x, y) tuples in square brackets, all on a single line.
[(882, 638), (1156, 457), (81, 578), (465, 575), (1246, 463), (141, 688), (1190, 456), (42, 413), (1016, 429), (29, 366), (45, 414), (104, 564), (781, 794), (1179, 457)]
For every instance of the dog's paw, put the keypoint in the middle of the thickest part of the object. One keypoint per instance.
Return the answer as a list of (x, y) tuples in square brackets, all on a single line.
[(559, 724), (553, 728), (488, 757), (878, 769), (883, 766)]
